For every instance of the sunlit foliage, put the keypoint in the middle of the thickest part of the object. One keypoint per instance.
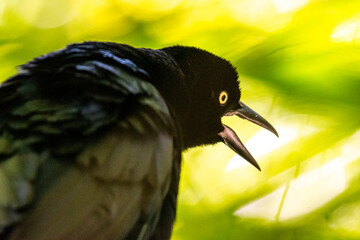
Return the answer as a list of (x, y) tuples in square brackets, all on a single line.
[(299, 67)]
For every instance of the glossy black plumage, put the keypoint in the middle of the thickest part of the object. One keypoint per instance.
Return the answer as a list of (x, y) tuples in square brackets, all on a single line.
[(91, 138)]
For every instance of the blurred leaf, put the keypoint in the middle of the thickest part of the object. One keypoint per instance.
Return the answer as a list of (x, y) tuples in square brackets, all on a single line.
[(299, 67)]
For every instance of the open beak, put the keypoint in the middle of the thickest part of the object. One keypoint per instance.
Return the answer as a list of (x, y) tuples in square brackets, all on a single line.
[(232, 140)]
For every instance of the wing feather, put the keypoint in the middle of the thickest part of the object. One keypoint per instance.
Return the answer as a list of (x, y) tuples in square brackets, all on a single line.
[(103, 198), (100, 163)]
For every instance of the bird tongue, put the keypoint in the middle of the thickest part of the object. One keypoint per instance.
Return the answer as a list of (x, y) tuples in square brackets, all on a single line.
[(232, 141)]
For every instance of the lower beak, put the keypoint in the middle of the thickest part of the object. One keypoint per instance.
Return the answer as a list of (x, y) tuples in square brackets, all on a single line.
[(230, 138)]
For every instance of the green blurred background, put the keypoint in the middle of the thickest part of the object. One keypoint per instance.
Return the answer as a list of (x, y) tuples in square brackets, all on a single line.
[(299, 67)]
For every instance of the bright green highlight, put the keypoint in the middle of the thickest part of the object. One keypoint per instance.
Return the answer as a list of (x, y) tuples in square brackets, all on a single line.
[(299, 67)]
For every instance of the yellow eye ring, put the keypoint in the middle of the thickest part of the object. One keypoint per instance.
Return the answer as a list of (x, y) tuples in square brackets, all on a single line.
[(223, 97)]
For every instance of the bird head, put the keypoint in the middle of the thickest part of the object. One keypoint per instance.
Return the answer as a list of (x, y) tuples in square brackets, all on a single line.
[(212, 87)]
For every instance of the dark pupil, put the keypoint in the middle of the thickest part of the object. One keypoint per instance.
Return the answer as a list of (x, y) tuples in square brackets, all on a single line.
[(223, 98)]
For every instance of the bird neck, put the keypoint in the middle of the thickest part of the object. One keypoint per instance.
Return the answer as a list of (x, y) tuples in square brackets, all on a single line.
[(167, 76)]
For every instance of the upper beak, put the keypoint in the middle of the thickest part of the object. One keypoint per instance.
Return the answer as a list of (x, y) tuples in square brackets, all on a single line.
[(231, 139)]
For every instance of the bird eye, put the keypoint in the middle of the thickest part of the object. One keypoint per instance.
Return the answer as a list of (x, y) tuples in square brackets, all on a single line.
[(223, 97)]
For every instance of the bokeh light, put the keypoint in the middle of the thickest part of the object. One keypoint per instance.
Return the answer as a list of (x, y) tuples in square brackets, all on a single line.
[(299, 68)]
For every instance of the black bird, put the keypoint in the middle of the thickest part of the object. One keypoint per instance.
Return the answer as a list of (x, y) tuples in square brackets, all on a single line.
[(91, 138)]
